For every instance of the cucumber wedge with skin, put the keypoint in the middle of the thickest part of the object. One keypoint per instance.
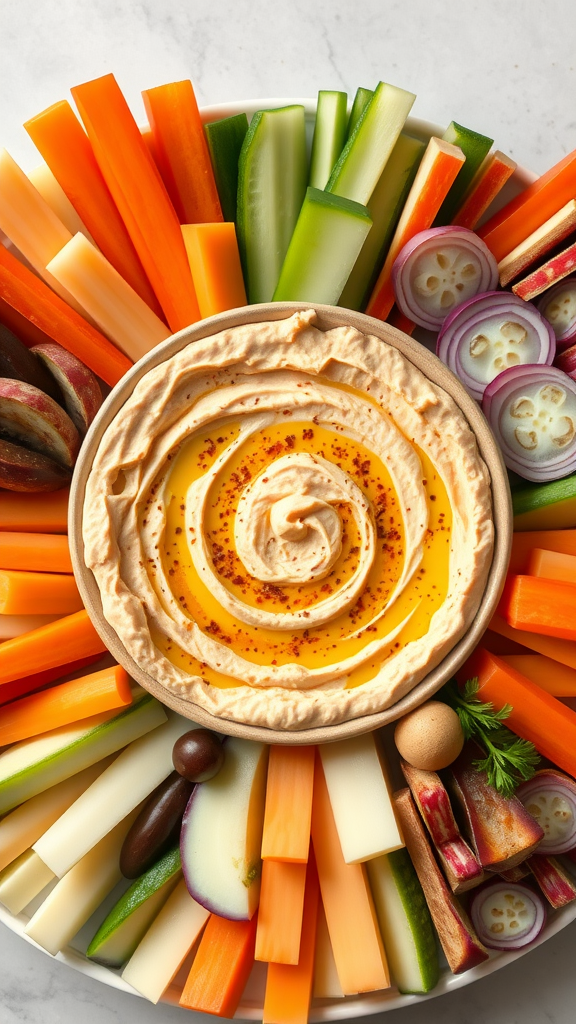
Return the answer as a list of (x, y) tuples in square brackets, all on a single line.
[(129, 920), (329, 135), (475, 148), (385, 207), (361, 101), (35, 765), (405, 922), (225, 140), (366, 152), (325, 245), (272, 176), (549, 506)]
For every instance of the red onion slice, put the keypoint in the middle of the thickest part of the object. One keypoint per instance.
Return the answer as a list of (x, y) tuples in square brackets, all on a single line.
[(532, 411), (550, 797), (490, 333), (439, 269), (558, 307), (507, 916)]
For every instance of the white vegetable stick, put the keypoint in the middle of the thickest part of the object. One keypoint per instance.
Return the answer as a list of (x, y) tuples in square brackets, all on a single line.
[(22, 880), (52, 192), (128, 781), (360, 798), (326, 981), (15, 625), (166, 944)]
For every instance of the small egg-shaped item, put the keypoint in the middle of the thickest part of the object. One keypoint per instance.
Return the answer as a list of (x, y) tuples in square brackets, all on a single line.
[(430, 737)]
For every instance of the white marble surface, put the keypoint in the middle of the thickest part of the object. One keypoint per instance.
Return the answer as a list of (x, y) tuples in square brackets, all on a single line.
[(504, 67)]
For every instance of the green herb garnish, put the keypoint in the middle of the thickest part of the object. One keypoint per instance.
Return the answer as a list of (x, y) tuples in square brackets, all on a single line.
[(509, 760)]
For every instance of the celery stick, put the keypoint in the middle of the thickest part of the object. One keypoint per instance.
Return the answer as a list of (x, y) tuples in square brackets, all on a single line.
[(385, 207), (272, 175), (475, 148), (364, 156), (361, 101), (329, 136), (225, 140), (327, 239)]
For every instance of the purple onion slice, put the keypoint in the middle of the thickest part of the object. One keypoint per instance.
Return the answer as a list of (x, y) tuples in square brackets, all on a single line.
[(439, 269), (558, 306), (507, 915), (550, 797)]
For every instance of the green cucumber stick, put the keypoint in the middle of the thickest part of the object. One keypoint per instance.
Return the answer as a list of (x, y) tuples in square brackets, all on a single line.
[(225, 140), (329, 135), (475, 148), (361, 101), (385, 207), (272, 176), (327, 239), (364, 156)]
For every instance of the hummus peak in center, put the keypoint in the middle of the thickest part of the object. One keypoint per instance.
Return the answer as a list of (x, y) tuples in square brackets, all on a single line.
[(288, 527)]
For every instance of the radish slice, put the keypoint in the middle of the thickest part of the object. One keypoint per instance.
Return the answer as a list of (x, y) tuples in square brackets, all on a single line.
[(507, 916), (489, 334), (439, 269), (532, 411), (550, 797), (558, 306)]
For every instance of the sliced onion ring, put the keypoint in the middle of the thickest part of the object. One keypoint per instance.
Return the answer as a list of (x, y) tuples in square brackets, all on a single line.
[(532, 411), (439, 269), (491, 332), (558, 307), (550, 797), (507, 915)]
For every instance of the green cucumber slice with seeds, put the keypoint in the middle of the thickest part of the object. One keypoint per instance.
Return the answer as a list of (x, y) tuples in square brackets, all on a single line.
[(361, 101), (225, 140), (329, 135), (475, 148)]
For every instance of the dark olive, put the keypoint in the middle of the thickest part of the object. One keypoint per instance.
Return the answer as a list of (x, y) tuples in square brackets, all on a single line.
[(198, 755), (157, 827)]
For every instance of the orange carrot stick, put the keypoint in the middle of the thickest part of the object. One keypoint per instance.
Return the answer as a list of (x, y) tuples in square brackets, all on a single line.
[(41, 552), (563, 651), (556, 679), (182, 152), (552, 565), (59, 642), (552, 540), (280, 912), (540, 606), (38, 593), (221, 967), (528, 211), (140, 196), (215, 264), (401, 322), (59, 137), (28, 514), (289, 988), (288, 809), (64, 704), (436, 173), (21, 687), (28, 333), (535, 715), (488, 181), (22, 290)]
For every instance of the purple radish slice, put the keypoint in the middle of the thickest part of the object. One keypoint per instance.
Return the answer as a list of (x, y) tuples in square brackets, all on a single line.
[(550, 797), (558, 306), (492, 333), (532, 411), (438, 270), (507, 916)]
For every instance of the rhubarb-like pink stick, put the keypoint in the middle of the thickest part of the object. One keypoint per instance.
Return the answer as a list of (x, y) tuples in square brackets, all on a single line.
[(554, 881)]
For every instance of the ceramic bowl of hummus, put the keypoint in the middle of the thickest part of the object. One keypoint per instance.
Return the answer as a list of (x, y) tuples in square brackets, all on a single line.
[(290, 522)]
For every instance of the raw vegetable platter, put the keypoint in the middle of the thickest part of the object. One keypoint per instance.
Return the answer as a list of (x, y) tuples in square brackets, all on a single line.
[(95, 315)]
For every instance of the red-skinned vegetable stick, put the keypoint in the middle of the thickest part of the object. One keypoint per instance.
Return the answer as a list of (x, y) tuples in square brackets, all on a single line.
[(549, 273), (221, 967), (140, 196), (182, 152), (552, 565), (42, 552), (556, 679), (58, 643), (436, 173), (25, 513), (59, 137), (20, 687), (356, 941), (38, 593), (215, 264), (280, 912), (563, 651), (288, 808), (488, 181), (523, 544), (20, 288), (535, 715), (61, 705), (549, 234), (540, 606), (289, 988)]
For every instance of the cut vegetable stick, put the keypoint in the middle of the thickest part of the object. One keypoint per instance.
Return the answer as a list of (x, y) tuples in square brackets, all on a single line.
[(28, 514), (401, 322), (214, 259), (563, 651), (550, 506), (475, 148), (58, 135), (552, 565), (288, 808), (64, 704), (141, 198), (562, 541), (535, 715), (354, 934), (549, 273), (488, 181), (22, 881), (553, 231), (289, 988), (166, 944), (182, 152), (557, 679), (113, 305), (330, 129), (540, 606), (326, 982), (436, 173), (280, 912), (225, 138), (20, 288), (53, 193), (221, 967), (12, 626), (528, 211), (24, 329), (38, 593), (68, 639), (20, 687), (37, 553)]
